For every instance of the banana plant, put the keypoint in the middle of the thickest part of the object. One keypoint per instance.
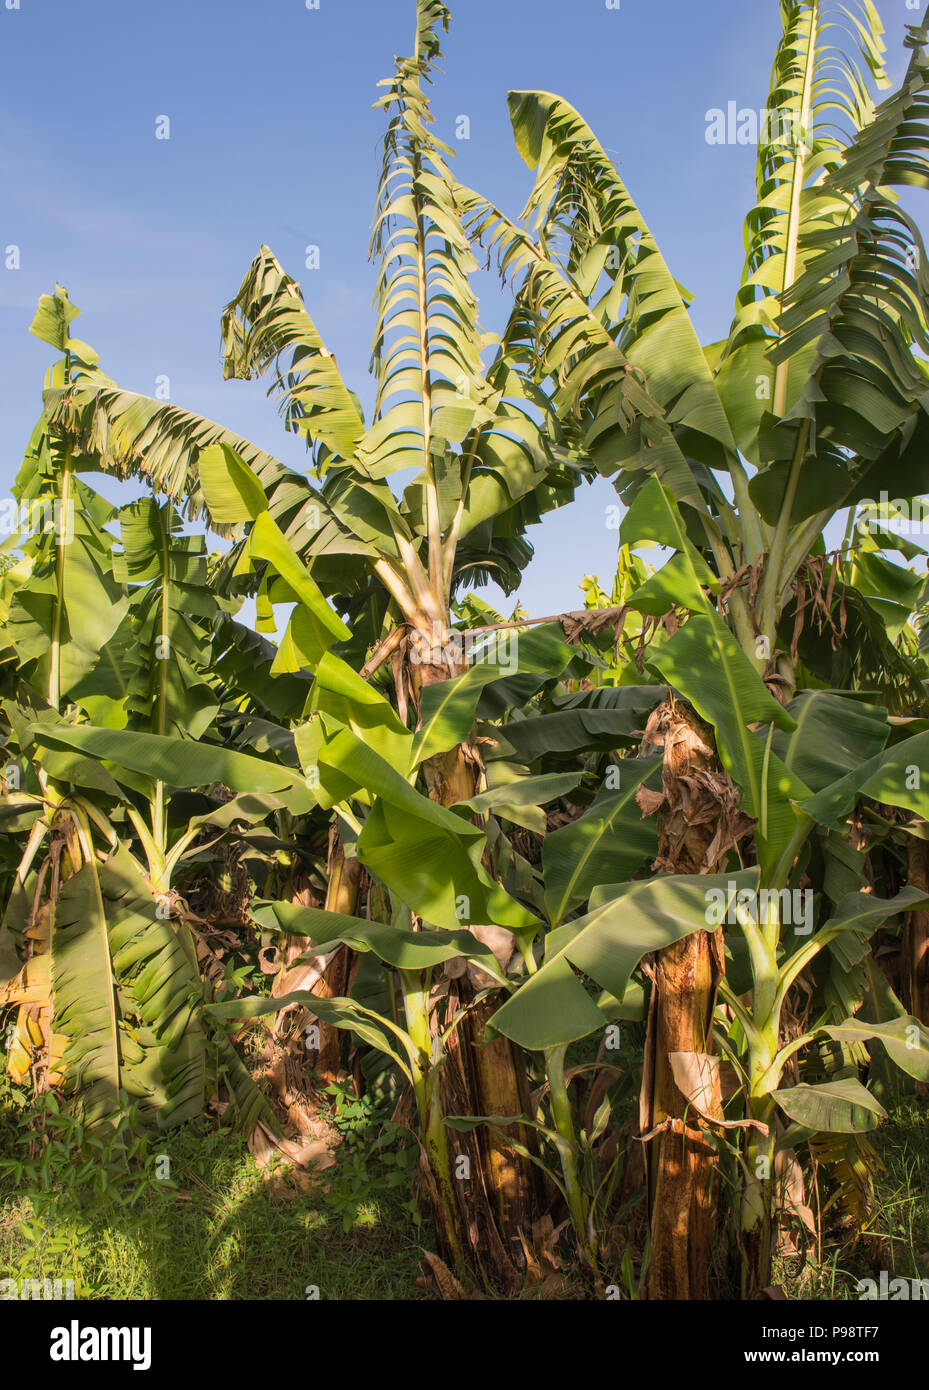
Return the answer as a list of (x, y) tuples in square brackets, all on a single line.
[(351, 749), (763, 438), (97, 962), (484, 469), (167, 652), (69, 607), (624, 923), (110, 986), (735, 456)]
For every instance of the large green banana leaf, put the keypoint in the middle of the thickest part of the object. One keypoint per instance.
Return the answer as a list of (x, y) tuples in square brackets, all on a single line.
[(399, 947), (833, 735), (604, 845), (178, 762), (840, 1106), (553, 1006), (894, 776), (84, 995)]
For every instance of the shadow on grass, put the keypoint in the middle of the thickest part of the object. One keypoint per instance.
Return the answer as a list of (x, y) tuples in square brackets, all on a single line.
[(215, 1229)]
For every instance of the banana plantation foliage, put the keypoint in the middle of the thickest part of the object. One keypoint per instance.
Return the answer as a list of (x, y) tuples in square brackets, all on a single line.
[(622, 914)]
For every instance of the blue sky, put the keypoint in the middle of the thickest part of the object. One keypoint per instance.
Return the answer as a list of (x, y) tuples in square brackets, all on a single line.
[(273, 139)]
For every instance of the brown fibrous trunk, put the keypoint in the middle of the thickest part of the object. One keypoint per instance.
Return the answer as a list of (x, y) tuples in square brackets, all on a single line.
[(698, 823)]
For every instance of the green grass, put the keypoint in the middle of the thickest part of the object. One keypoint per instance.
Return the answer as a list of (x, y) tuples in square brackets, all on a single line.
[(220, 1231), (897, 1236)]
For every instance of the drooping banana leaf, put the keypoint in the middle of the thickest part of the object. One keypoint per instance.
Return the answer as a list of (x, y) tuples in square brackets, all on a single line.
[(553, 1006), (608, 842), (840, 1106)]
